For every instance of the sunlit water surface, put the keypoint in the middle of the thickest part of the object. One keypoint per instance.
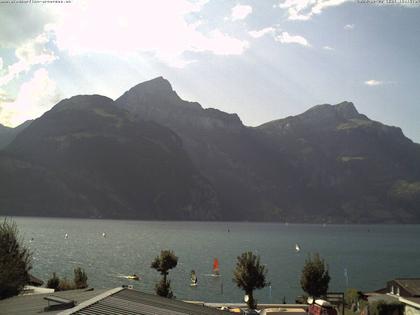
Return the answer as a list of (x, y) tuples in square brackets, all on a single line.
[(371, 254)]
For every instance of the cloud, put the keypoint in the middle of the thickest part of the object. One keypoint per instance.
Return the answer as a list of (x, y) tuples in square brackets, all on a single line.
[(35, 97), (240, 12), (30, 53), (21, 22), (166, 30), (262, 32), (328, 48), (1, 63), (374, 82), (286, 38), (349, 27), (4, 98), (304, 9)]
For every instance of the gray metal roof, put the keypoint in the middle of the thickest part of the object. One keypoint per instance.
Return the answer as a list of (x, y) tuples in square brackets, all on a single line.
[(34, 304), (132, 302)]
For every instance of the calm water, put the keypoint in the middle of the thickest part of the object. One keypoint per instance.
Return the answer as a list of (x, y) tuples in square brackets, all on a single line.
[(371, 254)]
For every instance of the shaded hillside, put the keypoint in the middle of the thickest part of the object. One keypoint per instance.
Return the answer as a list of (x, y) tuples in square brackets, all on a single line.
[(7, 134), (229, 154), (152, 155), (328, 164), (353, 168), (88, 158)]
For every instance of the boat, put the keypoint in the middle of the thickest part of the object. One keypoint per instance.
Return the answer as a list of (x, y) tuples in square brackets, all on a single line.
[(194, 279), (104, 235), (66, 236), (216, 271), (133, 277), (297, 247)]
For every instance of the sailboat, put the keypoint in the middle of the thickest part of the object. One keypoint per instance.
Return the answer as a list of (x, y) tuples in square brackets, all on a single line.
[(216, 271), (193, 279), (297, 247)]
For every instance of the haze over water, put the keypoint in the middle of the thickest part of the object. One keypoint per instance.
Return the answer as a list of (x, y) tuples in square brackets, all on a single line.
[(372, 254)]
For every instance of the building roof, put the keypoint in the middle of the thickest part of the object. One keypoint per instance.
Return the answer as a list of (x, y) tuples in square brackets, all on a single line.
[(132, 302), (412, 285), (34, 304), (415, 302), (376, 297)]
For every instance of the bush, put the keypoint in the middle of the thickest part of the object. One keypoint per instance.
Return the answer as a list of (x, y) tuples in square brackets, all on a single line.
[(15, 261), (80, 278), (54, 282), (66, 284), (163, 288), (383, 308)]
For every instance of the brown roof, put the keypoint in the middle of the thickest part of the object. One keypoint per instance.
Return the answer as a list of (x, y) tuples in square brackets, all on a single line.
[(412, 285)]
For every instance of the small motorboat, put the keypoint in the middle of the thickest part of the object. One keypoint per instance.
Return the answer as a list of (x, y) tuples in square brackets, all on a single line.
[(133, 277)]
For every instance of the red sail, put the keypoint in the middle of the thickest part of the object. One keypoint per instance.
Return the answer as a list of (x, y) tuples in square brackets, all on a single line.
[(215, 265)]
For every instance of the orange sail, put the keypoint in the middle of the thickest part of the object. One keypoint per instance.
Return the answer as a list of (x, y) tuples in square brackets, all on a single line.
[(215, 266)]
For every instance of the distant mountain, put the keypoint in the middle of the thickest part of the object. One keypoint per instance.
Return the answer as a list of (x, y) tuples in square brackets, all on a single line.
[(89, 158), (7, 134), (152, 155), (352, 168), (221, 147)]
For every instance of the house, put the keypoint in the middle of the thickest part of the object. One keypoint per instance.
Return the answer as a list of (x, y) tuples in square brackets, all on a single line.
[(411, 305), (405, 287)]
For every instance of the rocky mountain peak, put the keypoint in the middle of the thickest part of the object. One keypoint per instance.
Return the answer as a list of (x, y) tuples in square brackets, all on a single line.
[(343, 110), (159, 86)]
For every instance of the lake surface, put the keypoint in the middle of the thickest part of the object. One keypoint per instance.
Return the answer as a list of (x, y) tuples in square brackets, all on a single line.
[(371, 254)]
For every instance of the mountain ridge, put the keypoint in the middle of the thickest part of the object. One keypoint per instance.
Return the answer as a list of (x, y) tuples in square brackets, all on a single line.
[(328, 164)]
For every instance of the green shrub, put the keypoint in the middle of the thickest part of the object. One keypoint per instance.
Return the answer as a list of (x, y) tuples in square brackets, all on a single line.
[(163, 288), (54, 282), (15, 260), (383, 308), (66, 284), (80, 278)]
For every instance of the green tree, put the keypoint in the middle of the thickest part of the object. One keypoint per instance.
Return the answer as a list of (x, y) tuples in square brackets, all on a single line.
[(53, 282), (163, 263), (249, 275), (15, 260), (315, 278), (80, 278)]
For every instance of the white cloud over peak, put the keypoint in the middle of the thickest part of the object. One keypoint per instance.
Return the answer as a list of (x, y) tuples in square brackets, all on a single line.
[(159, 28), (286, 38), (35, 97), (374, 82), (30, 53), (328, 48), (349, 27), (240, 12), (304, 9), (262, 32)]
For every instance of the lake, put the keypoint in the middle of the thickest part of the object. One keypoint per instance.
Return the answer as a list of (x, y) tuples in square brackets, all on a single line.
[(371, 254)]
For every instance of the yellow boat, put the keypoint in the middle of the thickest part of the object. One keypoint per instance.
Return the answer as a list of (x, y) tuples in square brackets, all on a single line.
[(133, 277)]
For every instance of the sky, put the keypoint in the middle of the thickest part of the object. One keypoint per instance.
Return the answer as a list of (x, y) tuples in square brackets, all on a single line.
[(261, 59)]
